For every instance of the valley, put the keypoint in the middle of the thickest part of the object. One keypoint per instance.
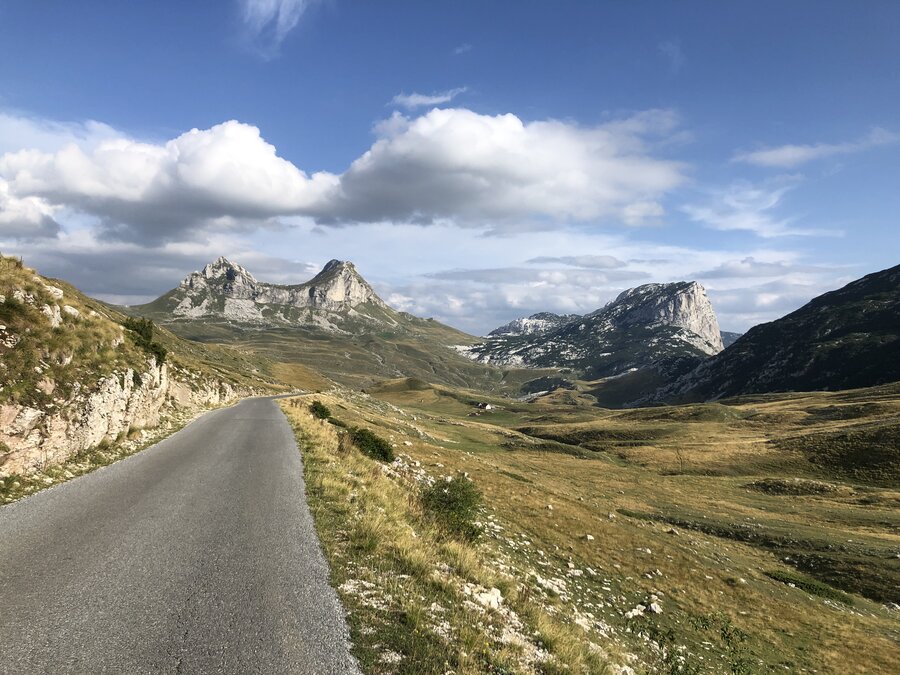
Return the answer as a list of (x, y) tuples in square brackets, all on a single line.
[(747, 534)]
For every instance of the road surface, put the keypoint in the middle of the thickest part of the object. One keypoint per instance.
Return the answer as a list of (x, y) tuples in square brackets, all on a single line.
[(197, 555)]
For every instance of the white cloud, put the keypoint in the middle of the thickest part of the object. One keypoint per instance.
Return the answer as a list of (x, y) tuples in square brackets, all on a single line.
[(474, 169), (788, 156), (21, 131), (462, 49), (752, 208), (414, 100), (750, 267), (600, 262), (268, 22), (221, 177), (674, 55), (25, 218), (450, 165)]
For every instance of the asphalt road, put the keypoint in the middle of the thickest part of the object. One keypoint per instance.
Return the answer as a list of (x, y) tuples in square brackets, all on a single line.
[(197, 555)]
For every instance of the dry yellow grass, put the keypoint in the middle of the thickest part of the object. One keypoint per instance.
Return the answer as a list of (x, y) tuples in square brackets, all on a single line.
[(412, 592), (712, 589)]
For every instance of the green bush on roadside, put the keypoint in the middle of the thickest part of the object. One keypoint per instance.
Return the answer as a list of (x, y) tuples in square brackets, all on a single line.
[(372, 444), (319, 410)]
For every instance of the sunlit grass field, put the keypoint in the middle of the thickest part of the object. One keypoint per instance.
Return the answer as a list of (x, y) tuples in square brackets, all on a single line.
[(763, 547)]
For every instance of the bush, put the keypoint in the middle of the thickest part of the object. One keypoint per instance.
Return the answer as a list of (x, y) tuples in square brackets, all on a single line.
[(372, 445), (811, 586), (142, 334), (319, 410), (454, 505)]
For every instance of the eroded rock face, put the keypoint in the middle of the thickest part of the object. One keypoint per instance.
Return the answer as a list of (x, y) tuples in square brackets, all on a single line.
[(683, 305), (665, 326), (224, 289), (37, 438)]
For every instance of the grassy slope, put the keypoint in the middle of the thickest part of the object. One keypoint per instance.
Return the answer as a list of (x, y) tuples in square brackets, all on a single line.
[(742, 534), (418, 348)]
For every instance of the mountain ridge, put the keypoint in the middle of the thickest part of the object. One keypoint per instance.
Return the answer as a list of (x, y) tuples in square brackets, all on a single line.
[(653, 324), (224, 290), (843, 339)]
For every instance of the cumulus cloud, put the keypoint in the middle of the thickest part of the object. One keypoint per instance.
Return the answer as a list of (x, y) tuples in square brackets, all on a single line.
[(268, 22), (603, 262), (220, 177), (753, 208), (459, 165), (451, 165), (414, 100), (789, 156), (25, 218)]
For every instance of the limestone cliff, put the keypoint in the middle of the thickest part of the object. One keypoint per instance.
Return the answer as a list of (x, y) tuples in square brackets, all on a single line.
[(74, 374), (224, 290), (666, 326)]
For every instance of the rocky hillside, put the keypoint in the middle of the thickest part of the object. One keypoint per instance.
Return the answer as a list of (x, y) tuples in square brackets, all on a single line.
[(542, 322), (75, 374), (336, 299), (729, 338), (844, 339), (668, 326)]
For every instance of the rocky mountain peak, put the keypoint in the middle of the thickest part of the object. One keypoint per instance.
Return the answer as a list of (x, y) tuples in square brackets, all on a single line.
[(225, 290), (223, 267), (340, 284), (683, 304)]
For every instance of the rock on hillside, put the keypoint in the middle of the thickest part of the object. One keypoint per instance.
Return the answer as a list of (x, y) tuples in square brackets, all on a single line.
[(844, 339), (224, 290), (668, 326), (72, 376)]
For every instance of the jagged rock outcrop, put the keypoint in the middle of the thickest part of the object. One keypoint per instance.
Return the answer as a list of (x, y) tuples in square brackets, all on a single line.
[(37, 437), (670, 327), (680, 305), (224, 290), (844, 339)]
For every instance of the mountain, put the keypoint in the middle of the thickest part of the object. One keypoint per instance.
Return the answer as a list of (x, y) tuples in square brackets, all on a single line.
[(729, 338), (334, 324), (668, 326), (542, 322), (335, 299), (844, 339)]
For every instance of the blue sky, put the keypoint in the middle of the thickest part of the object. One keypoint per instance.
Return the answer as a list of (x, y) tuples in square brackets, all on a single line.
[(478, 161)]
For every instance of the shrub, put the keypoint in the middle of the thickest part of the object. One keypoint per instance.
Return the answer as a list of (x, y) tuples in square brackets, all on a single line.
[(454, 505), (372, 445), (141, 331), (319, 410), (811, 586)]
